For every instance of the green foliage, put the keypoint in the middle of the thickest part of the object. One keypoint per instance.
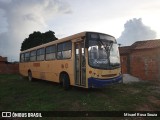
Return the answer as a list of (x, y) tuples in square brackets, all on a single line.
[(18, 94), (37, 38), (21, 95)]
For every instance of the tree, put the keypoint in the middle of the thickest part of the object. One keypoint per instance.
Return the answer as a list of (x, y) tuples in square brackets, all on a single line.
[(37, 38)]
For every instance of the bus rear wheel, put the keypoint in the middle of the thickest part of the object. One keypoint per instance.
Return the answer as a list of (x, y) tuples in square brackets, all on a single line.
[(65, 81), (30, 76)]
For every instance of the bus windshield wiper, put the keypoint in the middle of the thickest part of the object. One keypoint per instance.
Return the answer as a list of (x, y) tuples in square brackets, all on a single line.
[(107, 49)]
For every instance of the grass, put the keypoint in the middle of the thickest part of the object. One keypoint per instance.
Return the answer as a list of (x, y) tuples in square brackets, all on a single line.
[(21, 95)]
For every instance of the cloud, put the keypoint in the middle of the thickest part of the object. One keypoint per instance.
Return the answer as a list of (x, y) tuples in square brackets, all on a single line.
[(135, 30), (19, 18)]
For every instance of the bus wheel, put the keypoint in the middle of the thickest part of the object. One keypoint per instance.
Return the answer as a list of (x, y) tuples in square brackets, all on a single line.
[(30, 76), (65, 81)]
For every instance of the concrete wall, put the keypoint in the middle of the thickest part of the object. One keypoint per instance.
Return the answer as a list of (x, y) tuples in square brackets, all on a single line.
[(9, 68), (145, 64), (124, 64)]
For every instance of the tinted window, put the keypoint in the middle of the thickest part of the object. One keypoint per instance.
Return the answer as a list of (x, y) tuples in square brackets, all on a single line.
[(40, 51), (40, 54), (27, 57), (50, 49), (50, 52), (94, 36), (64, 50), (33, 55)]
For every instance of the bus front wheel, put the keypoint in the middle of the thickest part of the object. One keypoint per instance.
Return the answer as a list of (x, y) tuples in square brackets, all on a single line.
[(65, 81)]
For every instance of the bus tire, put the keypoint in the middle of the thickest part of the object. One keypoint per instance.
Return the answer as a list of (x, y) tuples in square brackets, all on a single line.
[(30, 78), (65, 82)]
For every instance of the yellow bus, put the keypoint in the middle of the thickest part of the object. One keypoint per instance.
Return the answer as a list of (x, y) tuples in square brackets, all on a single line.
[(86, 59)]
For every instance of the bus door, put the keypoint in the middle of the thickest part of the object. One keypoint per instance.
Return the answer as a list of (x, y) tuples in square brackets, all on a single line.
[(80, 64)]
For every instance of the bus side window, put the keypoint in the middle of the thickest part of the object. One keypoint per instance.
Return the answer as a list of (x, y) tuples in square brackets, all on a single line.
[(40, 54), (22, 57), (27, 56), (64, 50), (51, 52), (33, 56), (59, 51), (59, 55)]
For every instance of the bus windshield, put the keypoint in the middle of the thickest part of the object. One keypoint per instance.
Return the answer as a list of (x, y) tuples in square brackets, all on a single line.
[(103, 54)]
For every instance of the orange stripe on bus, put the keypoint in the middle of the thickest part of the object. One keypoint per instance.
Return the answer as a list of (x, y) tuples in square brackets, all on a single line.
[(36, 64)]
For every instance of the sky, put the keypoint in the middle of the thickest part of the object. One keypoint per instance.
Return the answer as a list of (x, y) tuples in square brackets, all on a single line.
[(127, 20)]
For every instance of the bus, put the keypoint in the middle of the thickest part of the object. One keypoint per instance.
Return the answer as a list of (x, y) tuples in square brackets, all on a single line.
[(86, 59)]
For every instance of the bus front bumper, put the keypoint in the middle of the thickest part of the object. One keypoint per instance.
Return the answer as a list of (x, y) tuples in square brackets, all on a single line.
[(97, 83)]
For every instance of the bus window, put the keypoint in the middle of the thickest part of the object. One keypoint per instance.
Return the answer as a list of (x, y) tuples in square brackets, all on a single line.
[(40, 54), (50, 52), (26, 57), (22, 57), (33, 56), (64, 50)]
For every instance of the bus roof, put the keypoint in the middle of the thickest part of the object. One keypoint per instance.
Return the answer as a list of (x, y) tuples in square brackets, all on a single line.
[(81, 34), (71, 37)]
